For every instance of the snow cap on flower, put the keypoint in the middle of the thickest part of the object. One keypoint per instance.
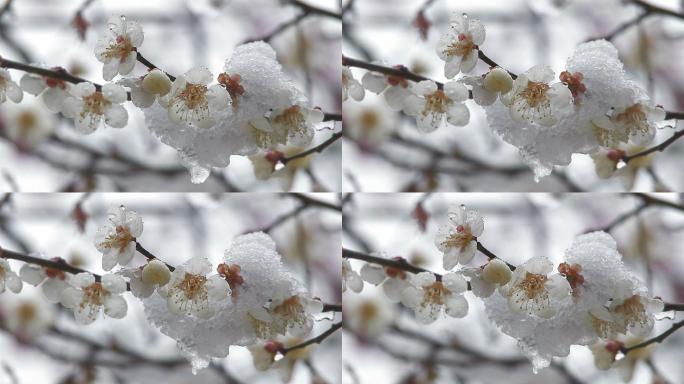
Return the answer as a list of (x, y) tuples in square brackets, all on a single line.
[(459, 46), (86, 297), (117, 239), (427, 296), (457, 239), (88, 106), (117, 48)]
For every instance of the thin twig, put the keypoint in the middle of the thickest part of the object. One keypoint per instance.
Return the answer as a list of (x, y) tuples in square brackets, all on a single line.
[(657, 148), (656, 339), (316, 340), (319, 148)]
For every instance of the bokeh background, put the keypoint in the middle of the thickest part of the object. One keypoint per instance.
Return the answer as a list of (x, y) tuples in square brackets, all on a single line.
[(176, 228), (179, 34), (384, 343), (520, 34)]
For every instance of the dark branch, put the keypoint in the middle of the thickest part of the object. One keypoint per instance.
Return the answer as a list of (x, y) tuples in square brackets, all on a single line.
[(319, 148), (316, 340)]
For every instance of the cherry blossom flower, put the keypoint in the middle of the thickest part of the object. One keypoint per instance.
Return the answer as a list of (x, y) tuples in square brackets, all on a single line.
[(28, 125), (53, 280), (28, 318), (117, 240), (9, 279), (286, 314), (350, 86), (458, 238), (393, 88), (393, 280), (296, 122), (192, 100), (88, 106), (635, 122), (533, 99), (459, 46), (427, 296), (369, 124), (369, 316), (8, 88), (86, 297), (350, 278), (431, 106), (532, 291), (147, 89), (53, 91), (117, 48), (192, 292)]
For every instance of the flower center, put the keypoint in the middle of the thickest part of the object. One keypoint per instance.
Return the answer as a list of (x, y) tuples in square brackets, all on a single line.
[(634, 118), (459, 239), (462, 47), (369, 119), (95, 104), (119, 240), (26, 312), (27, 120), (533, 285), (290, 117), (633, 311), (93, 295), (437, 102), (535, 93), (193, 286), (194, 96), (119, 49), (435, 293), (368, 311), (290, 308)]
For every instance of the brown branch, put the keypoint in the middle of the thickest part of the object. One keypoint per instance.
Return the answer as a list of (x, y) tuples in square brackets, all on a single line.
[(319, 148), (60, 75), (315, 202), (142, 60), (400, 264), (332, 307), (673, 307), (61, 266), (656, 339), (403, 73), (658, 10), (149, 255), (657, 148), (316, 340), (307, 8)]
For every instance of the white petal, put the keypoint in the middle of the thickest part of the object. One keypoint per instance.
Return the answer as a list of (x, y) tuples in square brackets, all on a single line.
[(54, 98), (115, 306), (477, 31), (411, 297), (32, 274), (114, 283), (373, 273), (466, 254), (14, 92), (52, 289), (199, 75), (13, 282), (393, 288), (456, 306), (71, 297), (469, 61), (218, 98), (135, 33), (454, 282), (450, 258), (458, 115), (114, 93), (456, 91), (109, 259), (374, 82), (125, 67), (423, 279), (82, 280), (116, 116), (452, 67), (110, 69), (32, 84), (82, 89)]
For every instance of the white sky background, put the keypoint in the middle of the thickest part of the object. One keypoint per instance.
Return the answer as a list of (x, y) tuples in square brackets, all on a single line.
[(176, 228), (179, 34), (520, 34), (517, 227)]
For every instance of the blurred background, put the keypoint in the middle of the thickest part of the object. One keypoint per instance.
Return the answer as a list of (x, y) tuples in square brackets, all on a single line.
[(384, 343), (176, 228), (383, 151), (179, 34)]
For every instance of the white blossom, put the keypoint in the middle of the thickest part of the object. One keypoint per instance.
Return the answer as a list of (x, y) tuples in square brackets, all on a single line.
[(53, 280), (458, 238), (295, 122), (369, 316), (427, 296), (485, 280), (191, 292), (9, 279), (27, 318), (88, 106), (145, 280), (8, 88), (431, 106), (350, 86), (27, 124), (488, 88), (459, 46), (53, 91), (86, 297), (193, 101), (147, 89), (350, 278), (286, 314), (117, 240), (369, 124), (117, 48)]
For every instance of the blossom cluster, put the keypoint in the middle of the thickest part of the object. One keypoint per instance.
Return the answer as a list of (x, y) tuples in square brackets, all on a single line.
[(590, 298), (249, 299), (248, 109), (592, 107)]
